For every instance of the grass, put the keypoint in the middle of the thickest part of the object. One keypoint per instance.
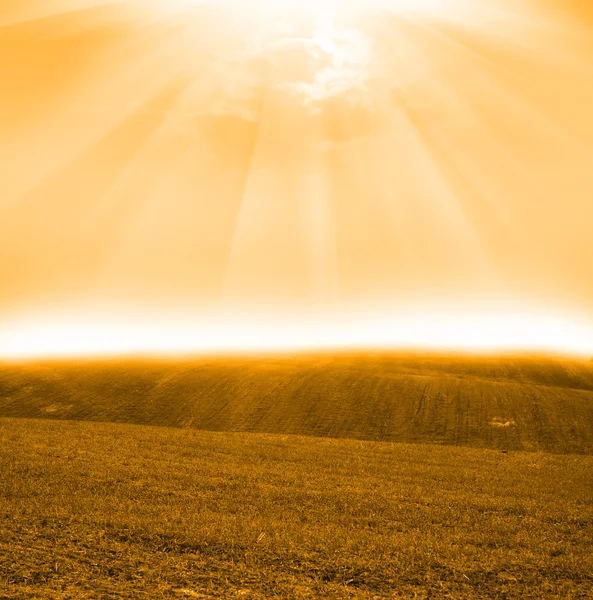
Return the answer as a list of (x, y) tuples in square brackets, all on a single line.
[(295, 478), (99, 510), (506, 403)]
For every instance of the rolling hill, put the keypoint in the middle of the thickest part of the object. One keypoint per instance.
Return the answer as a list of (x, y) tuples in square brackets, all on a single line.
[(503, 402)]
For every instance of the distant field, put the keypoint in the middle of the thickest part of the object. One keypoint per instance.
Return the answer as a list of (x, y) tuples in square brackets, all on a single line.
[(501, 402), (99, 510)]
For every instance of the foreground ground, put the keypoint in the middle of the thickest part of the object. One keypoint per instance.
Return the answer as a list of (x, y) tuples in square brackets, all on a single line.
[(505, 403), (97, 510)]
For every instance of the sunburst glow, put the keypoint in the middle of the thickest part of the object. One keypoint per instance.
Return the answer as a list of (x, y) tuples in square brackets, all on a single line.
[(449, 331), (194, 175), (294, 7)]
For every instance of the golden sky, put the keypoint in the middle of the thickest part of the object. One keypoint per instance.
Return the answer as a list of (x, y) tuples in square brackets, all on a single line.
[(201, 174)]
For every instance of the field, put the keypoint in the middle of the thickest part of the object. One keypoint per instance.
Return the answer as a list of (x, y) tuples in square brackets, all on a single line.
[(93, 508), (500, 402)]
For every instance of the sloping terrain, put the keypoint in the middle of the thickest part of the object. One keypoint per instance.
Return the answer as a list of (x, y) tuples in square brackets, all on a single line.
[(103, 510), (498, 402)]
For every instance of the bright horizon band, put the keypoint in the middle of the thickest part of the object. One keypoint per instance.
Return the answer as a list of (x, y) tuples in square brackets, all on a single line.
[(468, 332)]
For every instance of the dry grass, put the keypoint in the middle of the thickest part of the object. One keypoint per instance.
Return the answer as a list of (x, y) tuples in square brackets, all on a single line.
[(94, 510)]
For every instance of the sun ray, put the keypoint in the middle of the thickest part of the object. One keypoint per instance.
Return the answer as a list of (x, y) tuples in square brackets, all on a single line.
[(25, 12), (91, 108)]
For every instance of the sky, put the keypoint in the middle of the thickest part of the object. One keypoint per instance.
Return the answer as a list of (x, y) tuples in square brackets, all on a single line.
[(200, 175)]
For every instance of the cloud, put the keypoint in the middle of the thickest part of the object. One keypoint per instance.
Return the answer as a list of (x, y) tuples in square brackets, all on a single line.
[(339, 62)]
